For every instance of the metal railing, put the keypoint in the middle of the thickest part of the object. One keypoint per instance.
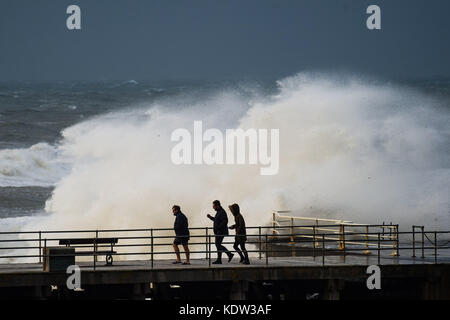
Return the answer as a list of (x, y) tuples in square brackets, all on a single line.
[(151, 244), (336, 230)]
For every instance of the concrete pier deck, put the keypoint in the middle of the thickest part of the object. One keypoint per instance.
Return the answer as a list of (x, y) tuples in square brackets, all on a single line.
[(283, 277)]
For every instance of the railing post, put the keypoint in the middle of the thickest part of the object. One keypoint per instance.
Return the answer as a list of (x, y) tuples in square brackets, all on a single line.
[(273, 223), (45, 254), (341, 237), (95, 249), (267, 252), (379, 248), (413, 241), (323, 250), (292, 230), (260, 243), (394, 236), (152, 245), (40, 247), (206, 243), (209, 250), (398, 240), (423, 242), (314, 242), (435, 247), (367, 251)]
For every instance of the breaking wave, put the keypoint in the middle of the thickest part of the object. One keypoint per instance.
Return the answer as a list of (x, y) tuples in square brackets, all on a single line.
[(39, 165), (349, 148)]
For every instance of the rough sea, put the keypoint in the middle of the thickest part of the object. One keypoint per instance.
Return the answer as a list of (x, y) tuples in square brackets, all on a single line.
[(35, 116)]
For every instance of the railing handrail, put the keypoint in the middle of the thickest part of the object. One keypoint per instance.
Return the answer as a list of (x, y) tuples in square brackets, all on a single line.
[(276, 213), (343, 235)]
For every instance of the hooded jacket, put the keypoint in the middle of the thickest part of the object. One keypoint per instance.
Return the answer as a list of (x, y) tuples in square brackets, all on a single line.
[(239, 223)]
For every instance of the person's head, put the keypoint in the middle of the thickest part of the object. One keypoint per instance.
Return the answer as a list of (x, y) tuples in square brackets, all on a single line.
[(234, 208), (216, 205), (175, 209)]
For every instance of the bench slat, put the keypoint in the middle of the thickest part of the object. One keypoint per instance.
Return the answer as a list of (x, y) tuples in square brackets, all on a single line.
[(88, 241), (90, 253)]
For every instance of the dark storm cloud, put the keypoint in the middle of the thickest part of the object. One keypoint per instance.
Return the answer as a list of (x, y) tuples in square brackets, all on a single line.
[(160, 39)]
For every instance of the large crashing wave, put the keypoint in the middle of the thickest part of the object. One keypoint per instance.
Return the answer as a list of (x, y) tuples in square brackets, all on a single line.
[(349, 149), (40, 165)]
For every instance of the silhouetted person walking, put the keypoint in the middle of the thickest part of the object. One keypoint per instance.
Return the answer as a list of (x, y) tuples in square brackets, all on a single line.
[(241, 234), (181, 228), (220, 230)]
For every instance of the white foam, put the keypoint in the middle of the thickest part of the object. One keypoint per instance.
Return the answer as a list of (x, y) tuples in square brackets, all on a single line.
[(348, 148), (39, 165)]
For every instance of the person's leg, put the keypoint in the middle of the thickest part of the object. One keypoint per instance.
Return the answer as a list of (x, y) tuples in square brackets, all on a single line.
[(224, 249), (186, 251), (236, 247), (246, 260), (177, 251), (220, 248), (229, 254)]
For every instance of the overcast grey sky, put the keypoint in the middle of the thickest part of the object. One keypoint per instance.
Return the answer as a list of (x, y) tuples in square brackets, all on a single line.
[(163, 39)]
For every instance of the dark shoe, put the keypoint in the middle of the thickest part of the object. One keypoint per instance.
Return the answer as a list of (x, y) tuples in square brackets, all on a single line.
[(242, 260), (217, 262), (230, 256), (246, 262), (176, 262), (186, 263)]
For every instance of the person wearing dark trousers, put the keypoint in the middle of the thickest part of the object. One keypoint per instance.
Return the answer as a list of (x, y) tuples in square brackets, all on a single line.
[(220, 230), (181, 228), (241, 234)]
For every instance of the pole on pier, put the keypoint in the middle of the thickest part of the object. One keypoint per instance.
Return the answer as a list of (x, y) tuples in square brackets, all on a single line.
[(323, 250), (292, 230), (314, 242), (206, 243), (40, 247), (267, 252), (45, 254), (398, 240), (209, 250), (435, 247), (394, 252), (341, 237), (367, 251), (260, 243), (413, 241), (379, 247), (273, 223), (152, 247), (423, 242)]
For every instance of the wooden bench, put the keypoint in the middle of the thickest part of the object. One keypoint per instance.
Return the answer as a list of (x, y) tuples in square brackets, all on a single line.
[(95, 242)]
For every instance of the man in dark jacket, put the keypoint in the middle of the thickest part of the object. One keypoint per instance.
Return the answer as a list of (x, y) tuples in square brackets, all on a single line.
[(241, 234), (181, 228), (220, 230)]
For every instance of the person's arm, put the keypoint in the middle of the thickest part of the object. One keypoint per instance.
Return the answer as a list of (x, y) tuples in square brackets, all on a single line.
[(235, 225), (211, 217)]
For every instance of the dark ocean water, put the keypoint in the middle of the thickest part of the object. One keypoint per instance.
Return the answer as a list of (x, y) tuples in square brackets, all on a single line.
[(32, 117)]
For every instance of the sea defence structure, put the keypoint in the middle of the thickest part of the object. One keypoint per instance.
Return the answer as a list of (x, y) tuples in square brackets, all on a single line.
[(293, 258)]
